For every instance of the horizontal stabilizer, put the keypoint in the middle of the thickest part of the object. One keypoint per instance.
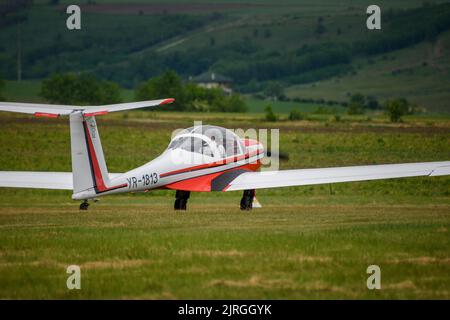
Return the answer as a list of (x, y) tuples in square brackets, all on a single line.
[(54, 110), (39, 180)]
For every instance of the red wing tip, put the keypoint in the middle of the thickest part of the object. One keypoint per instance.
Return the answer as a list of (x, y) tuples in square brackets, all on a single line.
[(166, 101), (98, 113), (46, 115)]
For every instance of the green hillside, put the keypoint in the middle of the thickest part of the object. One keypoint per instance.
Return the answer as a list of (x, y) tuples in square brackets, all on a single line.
[(421, 73), (315, 49)]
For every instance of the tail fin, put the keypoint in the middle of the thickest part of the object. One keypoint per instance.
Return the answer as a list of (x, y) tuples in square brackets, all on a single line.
[(88, 161)]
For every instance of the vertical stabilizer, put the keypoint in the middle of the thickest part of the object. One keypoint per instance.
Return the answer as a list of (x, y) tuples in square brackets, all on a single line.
[(88, 161)]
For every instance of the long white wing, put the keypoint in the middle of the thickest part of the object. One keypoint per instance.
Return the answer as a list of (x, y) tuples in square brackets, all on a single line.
[(37, 108), (44, 180), (39, 180), (53, 110), (302, 177)]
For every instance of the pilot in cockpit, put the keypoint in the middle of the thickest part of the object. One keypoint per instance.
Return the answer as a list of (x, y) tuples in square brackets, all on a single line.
[(219, 147)]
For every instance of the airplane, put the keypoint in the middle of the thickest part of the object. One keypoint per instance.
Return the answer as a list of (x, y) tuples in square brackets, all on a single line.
[(198, 159)]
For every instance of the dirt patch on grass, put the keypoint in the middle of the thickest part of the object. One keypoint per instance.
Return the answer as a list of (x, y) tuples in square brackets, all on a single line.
[(114, 264), (215, 253), (408, 284), (302, 259), (253, 281), (422, 260), (90, 265), (38, 263), (322, 287)]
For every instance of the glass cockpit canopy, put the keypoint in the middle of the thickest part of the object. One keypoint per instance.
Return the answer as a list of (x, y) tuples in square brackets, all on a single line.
[(209, 141)]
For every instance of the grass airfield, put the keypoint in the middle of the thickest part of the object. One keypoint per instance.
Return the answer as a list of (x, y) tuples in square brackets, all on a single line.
[(305, 243)]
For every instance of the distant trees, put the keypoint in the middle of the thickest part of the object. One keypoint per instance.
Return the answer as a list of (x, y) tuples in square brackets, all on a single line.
[(407, 28), (2, 84), (356, 104), (189, 96), (397, 108), (274, 90), (82, 89), (250, 62), (12, 11), (359, 102)]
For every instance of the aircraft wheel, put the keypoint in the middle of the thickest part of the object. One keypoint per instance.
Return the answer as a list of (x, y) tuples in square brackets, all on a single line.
[(84, 205)]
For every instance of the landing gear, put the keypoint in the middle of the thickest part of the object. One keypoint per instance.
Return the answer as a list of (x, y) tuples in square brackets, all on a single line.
[(84, 205), (247, 199), (181, 199)]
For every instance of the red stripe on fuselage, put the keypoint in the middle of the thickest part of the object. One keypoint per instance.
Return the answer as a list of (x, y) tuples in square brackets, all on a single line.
[(214, 164), (97, 173)]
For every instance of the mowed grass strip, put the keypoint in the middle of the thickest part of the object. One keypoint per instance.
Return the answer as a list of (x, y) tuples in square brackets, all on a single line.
[(208, 252)]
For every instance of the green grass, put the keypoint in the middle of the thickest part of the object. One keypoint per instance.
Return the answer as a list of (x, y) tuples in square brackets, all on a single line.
[(306, 242), (147, 251)]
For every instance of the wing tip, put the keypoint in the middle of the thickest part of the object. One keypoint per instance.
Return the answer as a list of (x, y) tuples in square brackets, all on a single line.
[(167, 101), (46, 115)]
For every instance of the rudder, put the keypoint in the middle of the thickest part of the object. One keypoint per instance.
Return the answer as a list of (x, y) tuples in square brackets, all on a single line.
[(88, 163)]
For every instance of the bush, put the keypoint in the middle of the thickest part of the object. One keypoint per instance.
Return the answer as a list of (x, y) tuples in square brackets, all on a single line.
[(396, 109), (356, 104), (236, 104), (270, 115), (295, 115), (355, 108), (83, 89), (167, 85)]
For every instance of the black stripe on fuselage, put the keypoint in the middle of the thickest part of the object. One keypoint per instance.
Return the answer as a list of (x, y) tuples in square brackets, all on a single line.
[(220, 182)]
